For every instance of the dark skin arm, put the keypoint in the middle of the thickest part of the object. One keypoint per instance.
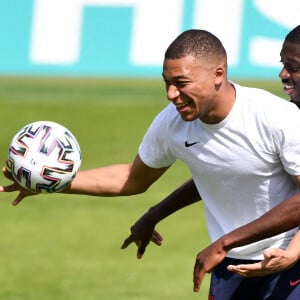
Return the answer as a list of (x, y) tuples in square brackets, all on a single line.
[(282, 217), (143, 231)]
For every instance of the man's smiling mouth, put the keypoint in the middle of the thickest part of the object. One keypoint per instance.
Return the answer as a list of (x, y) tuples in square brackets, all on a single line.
[(182, 105)]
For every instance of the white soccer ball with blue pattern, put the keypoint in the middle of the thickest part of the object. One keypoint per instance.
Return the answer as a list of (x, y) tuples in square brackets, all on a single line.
[(43, 157)]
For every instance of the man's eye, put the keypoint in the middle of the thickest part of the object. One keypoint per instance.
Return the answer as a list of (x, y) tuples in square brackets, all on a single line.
[(291, 68), (181, 84)]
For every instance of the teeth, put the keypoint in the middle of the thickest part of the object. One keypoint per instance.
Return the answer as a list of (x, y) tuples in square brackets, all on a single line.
[(288, 86), (181, 105)]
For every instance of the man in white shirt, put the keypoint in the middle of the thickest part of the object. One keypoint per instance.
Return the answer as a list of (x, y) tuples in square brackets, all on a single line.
[(283, 217)]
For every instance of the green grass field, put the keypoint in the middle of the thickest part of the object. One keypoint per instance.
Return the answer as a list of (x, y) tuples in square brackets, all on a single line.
[(61, 247)]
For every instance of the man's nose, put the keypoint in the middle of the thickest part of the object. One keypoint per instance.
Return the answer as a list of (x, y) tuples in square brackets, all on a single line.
[(172, 92)]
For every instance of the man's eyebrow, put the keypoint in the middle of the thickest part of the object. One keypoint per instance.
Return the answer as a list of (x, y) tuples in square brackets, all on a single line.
[(178, 77), (290, 60)]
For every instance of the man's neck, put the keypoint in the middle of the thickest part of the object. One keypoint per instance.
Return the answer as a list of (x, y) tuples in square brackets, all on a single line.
[(296, 102)]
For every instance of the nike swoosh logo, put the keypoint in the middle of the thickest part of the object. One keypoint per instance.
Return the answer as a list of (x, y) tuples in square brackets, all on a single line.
[(186, 144), (293, 283)]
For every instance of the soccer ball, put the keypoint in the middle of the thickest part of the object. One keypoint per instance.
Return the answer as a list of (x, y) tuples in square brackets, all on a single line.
[(43, 157)]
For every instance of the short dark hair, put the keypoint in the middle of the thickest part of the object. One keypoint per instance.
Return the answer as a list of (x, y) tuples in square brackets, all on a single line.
[(293, 36), (196, 42)]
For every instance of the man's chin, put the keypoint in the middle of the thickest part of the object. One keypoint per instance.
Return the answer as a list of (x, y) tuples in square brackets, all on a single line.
[(295, 96), (296, 100), (188, 118)]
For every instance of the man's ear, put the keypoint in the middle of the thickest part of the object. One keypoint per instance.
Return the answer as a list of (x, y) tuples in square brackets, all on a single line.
[(219, 74)]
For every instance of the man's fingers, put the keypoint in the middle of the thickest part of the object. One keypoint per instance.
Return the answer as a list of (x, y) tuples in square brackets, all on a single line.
[(157, 238), (248, 270), (17, 200), (246, 267), (141, 251), (198, 277), (273, 252), (141, 247), (7, 173), (9, 188), (142, 239), (127, 242)]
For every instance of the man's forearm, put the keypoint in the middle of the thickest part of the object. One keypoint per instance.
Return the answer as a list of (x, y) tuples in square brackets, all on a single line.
[(185, 195), (281, 218), (143, 231)]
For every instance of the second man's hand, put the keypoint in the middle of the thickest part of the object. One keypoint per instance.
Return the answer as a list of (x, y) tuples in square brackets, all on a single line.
[(142, 232)]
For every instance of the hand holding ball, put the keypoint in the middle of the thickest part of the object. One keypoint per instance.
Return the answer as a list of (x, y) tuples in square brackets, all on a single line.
[(44, 156)]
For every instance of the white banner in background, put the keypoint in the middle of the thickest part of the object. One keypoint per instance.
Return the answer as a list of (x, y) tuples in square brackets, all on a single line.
[(57, 25)]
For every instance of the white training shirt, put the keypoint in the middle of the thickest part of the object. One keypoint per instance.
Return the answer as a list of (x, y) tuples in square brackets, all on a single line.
[(240, 166)]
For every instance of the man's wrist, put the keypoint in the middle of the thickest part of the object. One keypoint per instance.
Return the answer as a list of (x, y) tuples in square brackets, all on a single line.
[(153, 215), (227, 243)]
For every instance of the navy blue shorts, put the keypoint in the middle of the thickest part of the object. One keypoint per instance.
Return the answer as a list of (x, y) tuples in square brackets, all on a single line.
[(226, 285)]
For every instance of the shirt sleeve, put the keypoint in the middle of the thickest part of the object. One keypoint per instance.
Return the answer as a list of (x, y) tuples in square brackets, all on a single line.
[(155, 147)]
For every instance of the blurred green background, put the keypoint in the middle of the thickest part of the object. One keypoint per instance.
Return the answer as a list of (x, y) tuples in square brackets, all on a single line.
[(61, 247)]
